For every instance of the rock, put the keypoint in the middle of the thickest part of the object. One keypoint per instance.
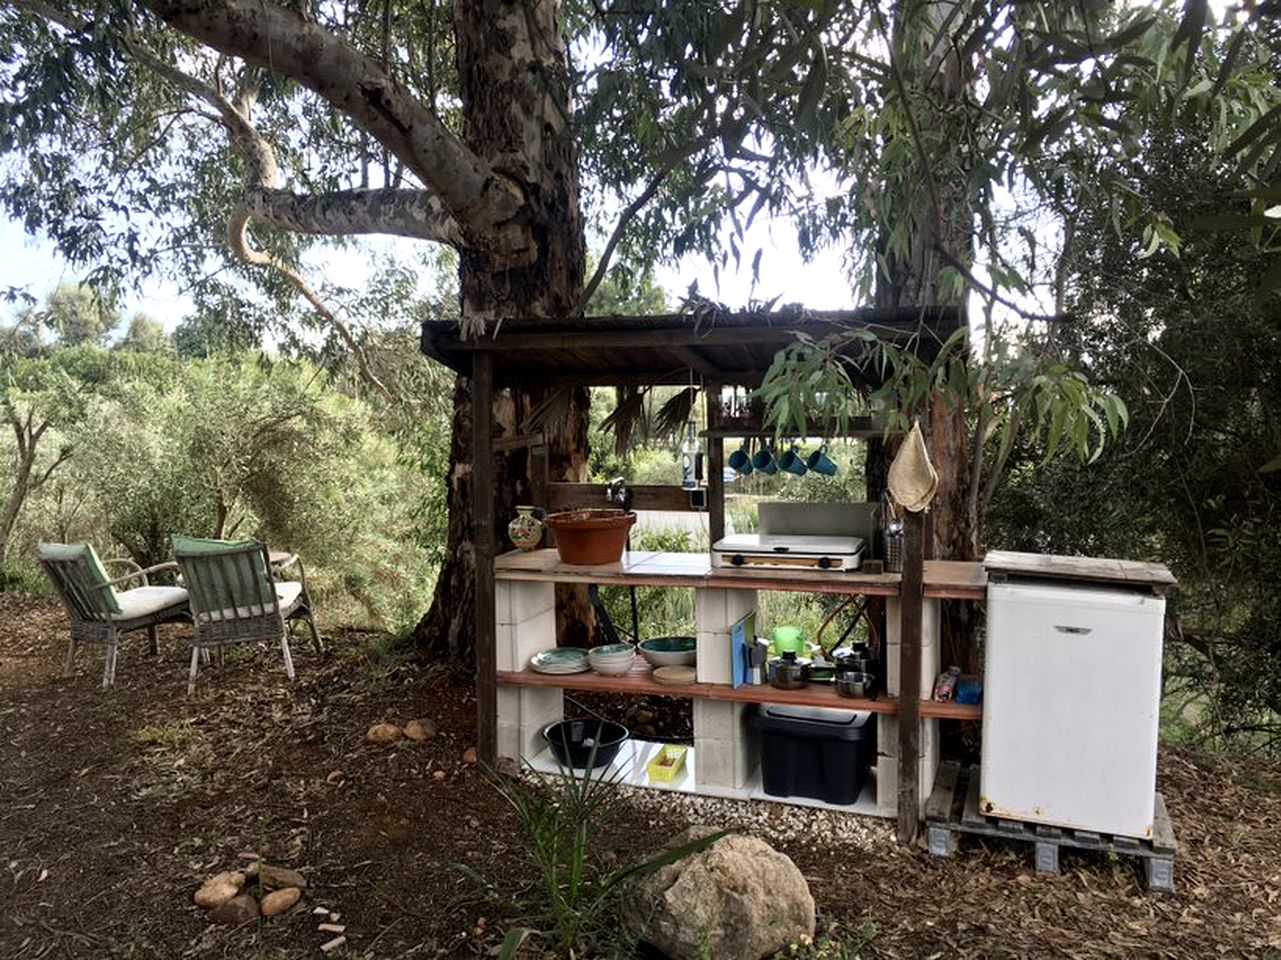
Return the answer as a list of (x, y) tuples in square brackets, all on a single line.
[(239, 909), (329, 946), (217, 890), (643, 715), (509, 767), (382, 733), (278, 901), (739, 899), (469, 755), (438, 775), (335, 776), (277, 878), (420, 729)]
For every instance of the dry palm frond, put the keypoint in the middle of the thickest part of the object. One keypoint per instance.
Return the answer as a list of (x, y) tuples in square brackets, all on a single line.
[(629, 422), (672, 415), (551, 415)]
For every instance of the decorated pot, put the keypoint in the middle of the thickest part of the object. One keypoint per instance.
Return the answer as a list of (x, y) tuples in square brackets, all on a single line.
[(525, 530)]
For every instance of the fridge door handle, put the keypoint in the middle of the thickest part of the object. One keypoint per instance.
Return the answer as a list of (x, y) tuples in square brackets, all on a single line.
[(1077, 631)]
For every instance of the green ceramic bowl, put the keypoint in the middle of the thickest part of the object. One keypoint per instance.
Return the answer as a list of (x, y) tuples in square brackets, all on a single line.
[(669, 651)]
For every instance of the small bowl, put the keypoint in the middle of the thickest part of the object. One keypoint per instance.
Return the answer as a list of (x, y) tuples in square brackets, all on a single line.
[(612, 659), (669, 651), (572, 742)]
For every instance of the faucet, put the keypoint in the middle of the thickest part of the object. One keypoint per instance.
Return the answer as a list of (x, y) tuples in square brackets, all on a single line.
[(619, 493)]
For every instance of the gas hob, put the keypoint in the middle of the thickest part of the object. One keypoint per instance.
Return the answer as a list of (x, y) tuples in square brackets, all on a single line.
[(781, 551)]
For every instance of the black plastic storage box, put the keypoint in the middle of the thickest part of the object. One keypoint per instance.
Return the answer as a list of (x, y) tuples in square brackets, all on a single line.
[(815, 752)]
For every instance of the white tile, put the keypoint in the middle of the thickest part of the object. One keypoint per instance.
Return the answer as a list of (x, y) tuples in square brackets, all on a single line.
[(516, 601), (715, 658)]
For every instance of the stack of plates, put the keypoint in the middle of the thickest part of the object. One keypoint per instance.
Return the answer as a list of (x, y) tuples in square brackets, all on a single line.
[(559, 660)]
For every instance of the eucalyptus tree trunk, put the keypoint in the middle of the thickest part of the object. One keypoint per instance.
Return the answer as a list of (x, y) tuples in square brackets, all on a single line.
[(513, 78), (937, 199)]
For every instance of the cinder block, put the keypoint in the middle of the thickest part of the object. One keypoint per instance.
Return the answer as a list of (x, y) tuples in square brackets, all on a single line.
[(887, 763), (520, 641), (509, 744), (517, 601), (1160, 874), (942, 842), (724, 763), (1047, 858), (721, 719), (508, 705), (930, 646), (715, 658), (715, 611)]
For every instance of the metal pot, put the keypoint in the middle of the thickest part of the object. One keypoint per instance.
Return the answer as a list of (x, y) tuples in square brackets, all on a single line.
[(858, 685), (788, 673)]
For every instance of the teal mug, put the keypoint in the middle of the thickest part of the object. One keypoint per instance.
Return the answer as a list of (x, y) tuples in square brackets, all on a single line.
[(764, 461), (820, 462), (792, 462), (741, 461)]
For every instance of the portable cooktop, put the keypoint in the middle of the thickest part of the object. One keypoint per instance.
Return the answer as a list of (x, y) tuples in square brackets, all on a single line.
[(788, 551)]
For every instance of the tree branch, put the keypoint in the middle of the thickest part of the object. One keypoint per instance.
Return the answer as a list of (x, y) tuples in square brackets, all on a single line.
[(238, 237), (485, 203)]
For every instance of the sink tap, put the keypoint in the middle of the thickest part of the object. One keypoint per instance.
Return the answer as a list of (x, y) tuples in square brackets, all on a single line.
[(619, 493)]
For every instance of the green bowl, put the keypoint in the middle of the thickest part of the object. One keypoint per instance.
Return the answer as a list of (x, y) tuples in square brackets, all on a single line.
[(669, 651)]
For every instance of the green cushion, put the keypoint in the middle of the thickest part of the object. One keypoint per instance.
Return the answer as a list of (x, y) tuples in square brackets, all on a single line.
[(86, 552), (208, 545), (226, 584)]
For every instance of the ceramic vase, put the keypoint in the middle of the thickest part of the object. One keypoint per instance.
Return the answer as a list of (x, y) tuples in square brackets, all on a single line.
[(525, 530)]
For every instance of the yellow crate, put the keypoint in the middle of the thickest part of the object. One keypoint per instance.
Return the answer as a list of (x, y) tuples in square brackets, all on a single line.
[(667, 763)]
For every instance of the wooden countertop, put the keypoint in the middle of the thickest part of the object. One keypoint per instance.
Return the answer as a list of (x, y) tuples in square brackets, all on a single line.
[(639, 681), (944, 579)]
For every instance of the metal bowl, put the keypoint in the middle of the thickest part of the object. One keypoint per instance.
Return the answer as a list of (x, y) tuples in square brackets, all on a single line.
[(859, 685)]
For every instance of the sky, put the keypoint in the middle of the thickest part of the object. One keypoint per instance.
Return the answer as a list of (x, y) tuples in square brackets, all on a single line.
[(821, 284)]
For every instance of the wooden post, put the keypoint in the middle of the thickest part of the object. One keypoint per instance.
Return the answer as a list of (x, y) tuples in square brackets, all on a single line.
[(911, 606), (482, 506), (715, 466)]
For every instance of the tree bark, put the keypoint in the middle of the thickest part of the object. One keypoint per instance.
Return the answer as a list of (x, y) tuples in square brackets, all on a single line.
[(512, 72), (942, 215)]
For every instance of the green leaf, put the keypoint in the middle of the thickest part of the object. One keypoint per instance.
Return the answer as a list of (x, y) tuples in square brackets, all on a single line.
[(513, 941), (1272, 466)]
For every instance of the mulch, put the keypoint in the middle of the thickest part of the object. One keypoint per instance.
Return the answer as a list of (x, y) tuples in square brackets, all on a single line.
[(115, 806)]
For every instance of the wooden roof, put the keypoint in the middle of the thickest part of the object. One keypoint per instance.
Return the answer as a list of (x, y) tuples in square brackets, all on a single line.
[(732, 348)]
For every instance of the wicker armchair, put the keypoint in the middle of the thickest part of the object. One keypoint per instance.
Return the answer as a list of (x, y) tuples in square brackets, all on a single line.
[(236, 599), (97, 611)]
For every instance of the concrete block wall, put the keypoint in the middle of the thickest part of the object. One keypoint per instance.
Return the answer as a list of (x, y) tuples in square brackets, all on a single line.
[(725, 747), (526, 614), (715, 612), (930, 645), (887, 763)]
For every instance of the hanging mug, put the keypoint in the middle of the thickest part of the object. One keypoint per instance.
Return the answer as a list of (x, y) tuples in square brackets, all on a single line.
[(792, 462), (820, 462), (764, 461), (741, 461)]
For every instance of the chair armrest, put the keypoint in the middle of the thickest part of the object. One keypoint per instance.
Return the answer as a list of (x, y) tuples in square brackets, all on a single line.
[(138, 571), (289, 561)]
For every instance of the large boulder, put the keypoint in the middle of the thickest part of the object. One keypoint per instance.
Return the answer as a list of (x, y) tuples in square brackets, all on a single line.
[(740, 899)]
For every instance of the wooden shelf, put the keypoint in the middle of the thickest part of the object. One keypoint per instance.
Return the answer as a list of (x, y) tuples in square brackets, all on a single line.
[(639, 682), (944, 579)]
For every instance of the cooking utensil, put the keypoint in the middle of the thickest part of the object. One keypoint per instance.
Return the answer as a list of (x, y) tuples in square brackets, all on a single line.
[(788, 673), (860, 685)]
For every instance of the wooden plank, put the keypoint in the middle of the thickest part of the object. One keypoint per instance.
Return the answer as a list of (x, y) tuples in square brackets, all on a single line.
[(695, 361), (955, 580), (576, 496), (970, 814), (1093, 569), (1163, 840), (912, 594), (505, 444), (640, 682), (715, 468), (938, 809), (486, 625)]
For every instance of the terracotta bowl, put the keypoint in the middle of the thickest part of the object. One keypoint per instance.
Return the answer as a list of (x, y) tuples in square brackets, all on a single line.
[(590, 537)]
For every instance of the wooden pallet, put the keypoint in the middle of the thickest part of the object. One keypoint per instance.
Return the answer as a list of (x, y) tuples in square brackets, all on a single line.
[(953, 809)]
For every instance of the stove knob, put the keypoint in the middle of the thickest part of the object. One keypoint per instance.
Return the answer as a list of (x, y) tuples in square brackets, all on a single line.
[(824, 563), (737, 560)]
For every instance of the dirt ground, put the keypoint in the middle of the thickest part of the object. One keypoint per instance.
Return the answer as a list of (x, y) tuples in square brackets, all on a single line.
[(114, 807)]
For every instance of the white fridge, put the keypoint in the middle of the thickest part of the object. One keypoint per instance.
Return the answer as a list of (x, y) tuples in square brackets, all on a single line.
[(1071, 706)]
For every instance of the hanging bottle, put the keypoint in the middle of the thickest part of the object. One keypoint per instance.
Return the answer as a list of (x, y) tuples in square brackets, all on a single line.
[(691, 459)]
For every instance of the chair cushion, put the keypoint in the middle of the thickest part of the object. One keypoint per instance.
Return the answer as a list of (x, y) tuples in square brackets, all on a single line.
[(147, 601), (207, 545), (86, 552), (288, 592), (238, 581)]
